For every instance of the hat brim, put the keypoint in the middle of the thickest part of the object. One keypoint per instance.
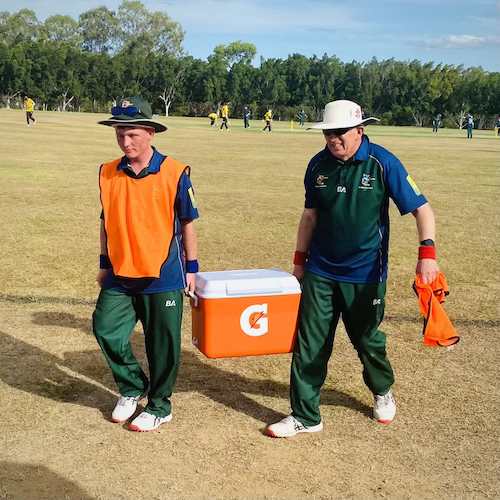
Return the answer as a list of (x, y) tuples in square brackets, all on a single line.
[(131, 122), (337, 125)]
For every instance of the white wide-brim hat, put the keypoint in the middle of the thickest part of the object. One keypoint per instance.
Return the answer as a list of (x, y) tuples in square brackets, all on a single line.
[(342, 114)]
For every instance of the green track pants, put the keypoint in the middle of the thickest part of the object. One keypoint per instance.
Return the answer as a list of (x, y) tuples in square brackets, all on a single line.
[(322, 303), (113, 321)]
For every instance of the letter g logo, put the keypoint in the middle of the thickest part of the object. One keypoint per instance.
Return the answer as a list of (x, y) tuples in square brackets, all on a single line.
[(253, 322)]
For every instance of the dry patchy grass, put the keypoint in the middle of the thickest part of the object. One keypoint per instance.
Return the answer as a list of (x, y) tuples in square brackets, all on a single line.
[(57, 392)]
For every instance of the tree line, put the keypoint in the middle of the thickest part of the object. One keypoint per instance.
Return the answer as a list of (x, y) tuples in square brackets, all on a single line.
[(87, 65)]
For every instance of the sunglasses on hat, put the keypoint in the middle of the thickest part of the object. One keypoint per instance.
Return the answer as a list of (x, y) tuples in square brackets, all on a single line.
[(336, 131), (127, 110)]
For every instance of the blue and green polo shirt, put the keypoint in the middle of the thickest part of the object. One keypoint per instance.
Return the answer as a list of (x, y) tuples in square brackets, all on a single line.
[(351, 238)]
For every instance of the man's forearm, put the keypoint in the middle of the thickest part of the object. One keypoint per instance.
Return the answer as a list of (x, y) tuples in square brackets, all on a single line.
[(426, 223), (189, 240), (103, 239)]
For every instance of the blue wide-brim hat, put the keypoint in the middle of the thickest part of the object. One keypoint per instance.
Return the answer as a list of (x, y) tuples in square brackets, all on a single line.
[(133, 112)]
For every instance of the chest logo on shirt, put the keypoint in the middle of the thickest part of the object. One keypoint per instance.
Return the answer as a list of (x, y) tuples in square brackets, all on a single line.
[(320, 181), (366, 180)]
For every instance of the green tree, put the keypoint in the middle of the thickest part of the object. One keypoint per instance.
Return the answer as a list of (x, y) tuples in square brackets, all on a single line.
[(324, 81), (62, 29), (142, 32), (12, 64), (18, 26), (236, 52), (214, 80), (296, 69), (98, 29), (272, 88), (241, 89)]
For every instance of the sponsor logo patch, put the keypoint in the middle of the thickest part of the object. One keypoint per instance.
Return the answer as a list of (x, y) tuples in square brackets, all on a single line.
[(320, 181), (366, 180)]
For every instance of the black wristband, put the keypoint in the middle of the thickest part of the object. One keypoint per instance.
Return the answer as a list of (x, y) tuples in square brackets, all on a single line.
[(428, 242)]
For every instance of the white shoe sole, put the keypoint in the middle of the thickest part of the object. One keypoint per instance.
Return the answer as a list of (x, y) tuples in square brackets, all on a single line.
[(309, 430)]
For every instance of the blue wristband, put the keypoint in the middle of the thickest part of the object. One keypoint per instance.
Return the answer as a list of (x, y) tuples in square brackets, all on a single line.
[(191, 266), (104, 262)]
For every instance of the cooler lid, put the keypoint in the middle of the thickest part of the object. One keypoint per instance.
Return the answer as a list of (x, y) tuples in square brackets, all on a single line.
[(239, 283)]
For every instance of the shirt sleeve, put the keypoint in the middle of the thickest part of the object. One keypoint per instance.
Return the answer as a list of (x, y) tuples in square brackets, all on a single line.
[(185, 204), (309, 181), (310, 201), (401, 187)]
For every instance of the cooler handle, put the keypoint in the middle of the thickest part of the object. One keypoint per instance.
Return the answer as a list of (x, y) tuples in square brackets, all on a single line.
[(194, 297)]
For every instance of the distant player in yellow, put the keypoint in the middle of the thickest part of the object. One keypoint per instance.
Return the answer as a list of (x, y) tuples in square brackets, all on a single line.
[(29, 106), (213, 118), (224, 113), (268, 117)]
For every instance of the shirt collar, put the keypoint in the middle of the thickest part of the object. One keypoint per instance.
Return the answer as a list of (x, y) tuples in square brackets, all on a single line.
[(362, 153), (153, 166)]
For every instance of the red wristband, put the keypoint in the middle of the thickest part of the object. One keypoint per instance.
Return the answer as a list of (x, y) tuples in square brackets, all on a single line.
[(426, 252), (300, 258)]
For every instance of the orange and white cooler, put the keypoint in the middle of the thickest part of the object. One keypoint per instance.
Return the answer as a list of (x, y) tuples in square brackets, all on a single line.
[(244, 312)]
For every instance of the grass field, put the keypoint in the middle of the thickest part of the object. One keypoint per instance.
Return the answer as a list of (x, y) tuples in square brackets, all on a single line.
[(57, 441)]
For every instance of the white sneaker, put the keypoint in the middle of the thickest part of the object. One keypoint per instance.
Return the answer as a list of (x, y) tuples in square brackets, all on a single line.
[(147, 422), (384, 408), (289, 426), (125, 408)]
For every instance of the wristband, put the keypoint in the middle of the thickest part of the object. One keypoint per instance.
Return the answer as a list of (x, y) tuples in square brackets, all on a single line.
[(191, 266), (426, 252), (300, 258), (104, 262)]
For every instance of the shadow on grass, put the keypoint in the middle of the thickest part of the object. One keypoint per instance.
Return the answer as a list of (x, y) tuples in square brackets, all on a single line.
[(33, 370), (83, 377), (230, 389), (30, 482)]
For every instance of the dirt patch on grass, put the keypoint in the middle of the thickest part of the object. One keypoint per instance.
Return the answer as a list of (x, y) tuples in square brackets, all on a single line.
[(58, 442)]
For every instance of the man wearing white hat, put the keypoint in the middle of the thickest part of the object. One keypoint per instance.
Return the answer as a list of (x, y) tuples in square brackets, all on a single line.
[(341, 258)]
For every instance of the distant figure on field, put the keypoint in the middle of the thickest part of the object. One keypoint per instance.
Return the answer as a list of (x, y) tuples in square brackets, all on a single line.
[(341, 259), (302, 118), (147, 263), (29, 107), (435, 122), (497, 127), (470, 125), (224, 113), (246, 117), (268, 118), (213, 119)]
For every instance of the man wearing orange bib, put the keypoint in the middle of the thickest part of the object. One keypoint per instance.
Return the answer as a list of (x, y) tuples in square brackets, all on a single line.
[(147, 263)]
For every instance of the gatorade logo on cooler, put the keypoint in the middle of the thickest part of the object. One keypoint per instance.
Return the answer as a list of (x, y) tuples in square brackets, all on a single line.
[(253, 321)]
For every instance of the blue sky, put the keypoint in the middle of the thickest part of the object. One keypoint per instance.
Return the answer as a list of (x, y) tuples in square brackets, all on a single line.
[(452, 32)]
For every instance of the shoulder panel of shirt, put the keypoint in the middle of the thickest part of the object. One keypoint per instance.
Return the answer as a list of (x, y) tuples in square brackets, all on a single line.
[(321, 155), (382, 155)]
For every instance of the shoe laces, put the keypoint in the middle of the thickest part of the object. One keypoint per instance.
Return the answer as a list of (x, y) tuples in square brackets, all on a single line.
[(124, 400), (383, 400), (289, 419)]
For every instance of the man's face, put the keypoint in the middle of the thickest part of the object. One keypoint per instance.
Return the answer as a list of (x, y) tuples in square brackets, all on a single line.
[(133, 141), (345, 144)]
